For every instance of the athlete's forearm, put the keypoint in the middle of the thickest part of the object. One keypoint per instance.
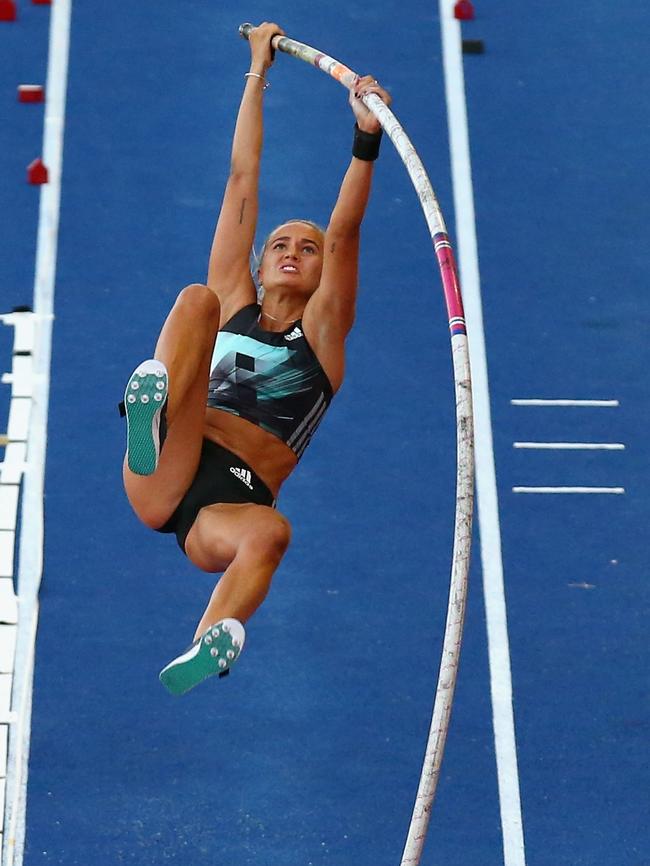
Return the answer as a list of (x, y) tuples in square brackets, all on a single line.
[(353, 198), (247, 140)]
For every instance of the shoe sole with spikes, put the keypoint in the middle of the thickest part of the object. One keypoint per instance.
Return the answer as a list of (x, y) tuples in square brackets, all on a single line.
[(212, 654), (145, 399)]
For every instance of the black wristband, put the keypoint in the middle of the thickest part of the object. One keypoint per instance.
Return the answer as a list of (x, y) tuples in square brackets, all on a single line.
[(366, 144)]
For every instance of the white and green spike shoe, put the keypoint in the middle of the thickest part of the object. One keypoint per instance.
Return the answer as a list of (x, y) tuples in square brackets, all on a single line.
[(213, 653), (145, 400)]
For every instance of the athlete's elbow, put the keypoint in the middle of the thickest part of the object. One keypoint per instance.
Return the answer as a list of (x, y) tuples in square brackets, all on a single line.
[(349, 321), (243, 172), (346, 315), (343, 230)]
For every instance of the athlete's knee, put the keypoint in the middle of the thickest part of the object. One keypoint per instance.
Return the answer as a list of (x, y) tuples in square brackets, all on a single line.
[(198, 301), (152, 516), (275, 533), (271, 535)]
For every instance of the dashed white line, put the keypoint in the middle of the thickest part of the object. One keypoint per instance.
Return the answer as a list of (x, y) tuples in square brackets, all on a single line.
[(613, 490), (571, 446), (563, 402)]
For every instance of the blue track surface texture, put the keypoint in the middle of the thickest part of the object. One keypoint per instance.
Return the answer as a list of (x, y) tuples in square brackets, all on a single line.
[(310, 753)]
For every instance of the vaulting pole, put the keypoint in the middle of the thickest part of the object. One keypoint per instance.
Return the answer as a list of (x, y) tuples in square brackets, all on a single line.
[(464, 436)]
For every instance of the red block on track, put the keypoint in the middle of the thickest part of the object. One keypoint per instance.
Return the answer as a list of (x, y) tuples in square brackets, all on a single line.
[(42, 2), (37, 172), (7, 10), (31, 93), (464, 10)]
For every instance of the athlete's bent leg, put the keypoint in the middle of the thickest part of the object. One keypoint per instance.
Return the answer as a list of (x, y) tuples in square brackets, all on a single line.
[(247, 543), (187, 336), (185, 348)]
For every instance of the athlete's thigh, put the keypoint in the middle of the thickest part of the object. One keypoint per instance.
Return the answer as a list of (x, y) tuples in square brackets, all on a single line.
[(154, 497), (195, 315), (219, 530)]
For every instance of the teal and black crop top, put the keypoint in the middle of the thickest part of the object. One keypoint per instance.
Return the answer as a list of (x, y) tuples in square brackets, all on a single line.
[(273, 380)]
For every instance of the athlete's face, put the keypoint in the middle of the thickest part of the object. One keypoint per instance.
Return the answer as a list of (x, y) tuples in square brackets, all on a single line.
[(293, 258)]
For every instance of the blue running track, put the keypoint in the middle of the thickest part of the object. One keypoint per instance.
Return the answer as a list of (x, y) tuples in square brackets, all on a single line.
[(310, 753)]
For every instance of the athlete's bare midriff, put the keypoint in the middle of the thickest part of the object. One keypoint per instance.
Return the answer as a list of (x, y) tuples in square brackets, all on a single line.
[(267, 455)]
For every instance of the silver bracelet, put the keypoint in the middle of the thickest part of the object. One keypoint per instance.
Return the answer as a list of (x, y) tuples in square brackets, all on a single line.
[(257, 75)]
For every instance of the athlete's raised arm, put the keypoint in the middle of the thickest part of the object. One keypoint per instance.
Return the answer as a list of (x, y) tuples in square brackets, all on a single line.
[(229, 271), (329, 313)]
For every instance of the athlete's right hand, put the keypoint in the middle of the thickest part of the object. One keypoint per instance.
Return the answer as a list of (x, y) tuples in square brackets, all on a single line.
[(262, 52)]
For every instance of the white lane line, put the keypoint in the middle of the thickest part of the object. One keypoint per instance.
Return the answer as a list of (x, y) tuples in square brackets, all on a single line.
[(564, 402), (571, 446), (487, 501), (31, 534), (614, 490)]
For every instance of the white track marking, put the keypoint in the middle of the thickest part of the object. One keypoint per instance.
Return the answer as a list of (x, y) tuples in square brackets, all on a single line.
[(615, 490), (7, 554), (23, 324), (564, 402), (31, 536), (21, 376), (7, 647), (19, 414), (488, 506), (571, 446), (4, 742), (14, 465), (8, 506), (8, 604)]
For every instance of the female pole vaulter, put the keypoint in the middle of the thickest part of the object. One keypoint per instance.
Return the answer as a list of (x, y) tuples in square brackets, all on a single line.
[(212, 473)]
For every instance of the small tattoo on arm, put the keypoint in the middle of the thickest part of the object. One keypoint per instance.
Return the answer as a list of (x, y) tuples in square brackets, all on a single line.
[(333, 247), (241, 212)]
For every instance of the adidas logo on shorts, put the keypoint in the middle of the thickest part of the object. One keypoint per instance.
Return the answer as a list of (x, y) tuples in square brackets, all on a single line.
[(294, 334), (243, 475)]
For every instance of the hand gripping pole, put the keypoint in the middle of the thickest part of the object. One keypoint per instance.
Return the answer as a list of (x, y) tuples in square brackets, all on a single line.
[(464, 436)]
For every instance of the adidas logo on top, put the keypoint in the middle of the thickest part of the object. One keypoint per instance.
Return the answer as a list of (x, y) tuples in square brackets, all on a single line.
[(294, 334), (243, 475)]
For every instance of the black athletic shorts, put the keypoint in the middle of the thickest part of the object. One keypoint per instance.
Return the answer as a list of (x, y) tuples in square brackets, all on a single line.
[(221, 477)]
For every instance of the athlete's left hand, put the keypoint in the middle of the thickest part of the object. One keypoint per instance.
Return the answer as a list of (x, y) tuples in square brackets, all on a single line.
[(366, 120)]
